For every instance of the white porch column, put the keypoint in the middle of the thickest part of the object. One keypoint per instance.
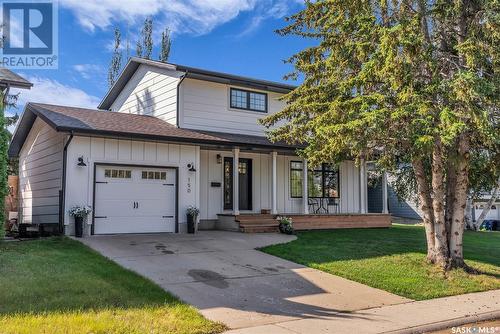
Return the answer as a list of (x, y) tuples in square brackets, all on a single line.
[(274, 195), (305, 195), (363, 191), (236, 175), (385, 206)]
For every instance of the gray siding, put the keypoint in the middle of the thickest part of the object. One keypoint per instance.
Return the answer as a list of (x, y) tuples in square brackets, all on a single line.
[(399, 208), (40, 175)]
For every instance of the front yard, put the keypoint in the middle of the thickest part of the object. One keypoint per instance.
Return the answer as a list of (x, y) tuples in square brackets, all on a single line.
[(58, 285), (394, 260)]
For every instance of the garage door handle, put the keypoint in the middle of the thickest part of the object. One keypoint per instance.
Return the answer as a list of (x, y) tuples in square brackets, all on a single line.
[(101, 217), (168, 184), (168, 217)]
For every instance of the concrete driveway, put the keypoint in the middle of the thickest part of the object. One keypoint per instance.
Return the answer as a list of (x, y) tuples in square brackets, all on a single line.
[(223, 275)]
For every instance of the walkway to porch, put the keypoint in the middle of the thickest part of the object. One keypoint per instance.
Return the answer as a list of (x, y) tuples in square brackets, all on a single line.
[(255, 223)]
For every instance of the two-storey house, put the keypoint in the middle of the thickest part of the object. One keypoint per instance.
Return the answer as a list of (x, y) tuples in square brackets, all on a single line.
[(167, 137)]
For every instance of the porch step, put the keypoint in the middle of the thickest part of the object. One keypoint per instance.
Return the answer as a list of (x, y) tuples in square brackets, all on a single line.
[(254, 217), (259, 228), (258, 222)]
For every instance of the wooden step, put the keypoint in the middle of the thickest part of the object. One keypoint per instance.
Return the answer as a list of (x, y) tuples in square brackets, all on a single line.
[(259, 229), (242, 218), (259, 222)]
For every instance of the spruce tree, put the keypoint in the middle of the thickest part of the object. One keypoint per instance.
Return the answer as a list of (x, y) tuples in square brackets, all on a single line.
[(404, 83)]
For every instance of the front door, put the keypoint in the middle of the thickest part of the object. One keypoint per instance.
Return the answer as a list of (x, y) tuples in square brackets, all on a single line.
[(244, 184)]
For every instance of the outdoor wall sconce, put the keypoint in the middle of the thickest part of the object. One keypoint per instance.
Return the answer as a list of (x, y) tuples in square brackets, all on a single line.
[(191, 168), (219, 158), (81, 163)]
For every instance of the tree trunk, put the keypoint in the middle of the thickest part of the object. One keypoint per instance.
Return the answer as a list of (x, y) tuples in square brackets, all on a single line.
[(438, 205), (468, 213), (424, 199), (459, 204), (451, 183), (487, 208)]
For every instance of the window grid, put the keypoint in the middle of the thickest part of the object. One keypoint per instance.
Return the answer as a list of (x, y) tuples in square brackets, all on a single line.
[(118, 173), (152, 175), (322, 182), (247, 100)]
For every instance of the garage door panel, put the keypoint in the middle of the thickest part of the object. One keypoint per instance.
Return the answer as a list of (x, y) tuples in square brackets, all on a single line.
[(134, 225), (129, 201), (110, 207), (146, 207), (140, 191)]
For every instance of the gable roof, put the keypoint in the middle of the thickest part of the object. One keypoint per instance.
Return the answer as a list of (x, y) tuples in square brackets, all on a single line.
[(9, 78), (190, 72), (115, 124)]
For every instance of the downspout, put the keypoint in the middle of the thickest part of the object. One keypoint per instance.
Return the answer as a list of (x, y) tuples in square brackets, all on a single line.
[(63, 200), (177, 102)]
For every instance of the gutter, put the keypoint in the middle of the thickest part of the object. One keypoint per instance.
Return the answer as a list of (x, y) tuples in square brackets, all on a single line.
[(177, 118), (62, 212)]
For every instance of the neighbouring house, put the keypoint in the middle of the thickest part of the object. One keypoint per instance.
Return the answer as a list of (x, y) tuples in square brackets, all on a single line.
[(481, 202), (166, 137)]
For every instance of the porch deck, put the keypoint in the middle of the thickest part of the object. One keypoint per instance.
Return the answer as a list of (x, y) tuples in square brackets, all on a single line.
[(254, 223)]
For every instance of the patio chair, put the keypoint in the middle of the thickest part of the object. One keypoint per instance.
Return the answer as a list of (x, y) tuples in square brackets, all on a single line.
[(334, 203), (313, 203)]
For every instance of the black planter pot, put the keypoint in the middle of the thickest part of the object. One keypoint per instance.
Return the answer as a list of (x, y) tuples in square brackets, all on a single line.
[(191, 223), (78, 227)]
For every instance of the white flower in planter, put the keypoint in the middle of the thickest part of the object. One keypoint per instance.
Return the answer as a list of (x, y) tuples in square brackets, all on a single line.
[(80, 211)]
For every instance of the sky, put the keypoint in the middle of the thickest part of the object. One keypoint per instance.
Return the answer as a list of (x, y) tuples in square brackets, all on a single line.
[(233, 36)]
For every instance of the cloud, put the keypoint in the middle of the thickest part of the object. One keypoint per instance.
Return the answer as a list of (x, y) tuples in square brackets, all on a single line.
[(196, 17), (88, 71), (46, 90)]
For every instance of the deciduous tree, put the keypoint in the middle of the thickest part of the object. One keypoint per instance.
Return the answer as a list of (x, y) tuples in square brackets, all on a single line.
[(166, 44), (116, 59)]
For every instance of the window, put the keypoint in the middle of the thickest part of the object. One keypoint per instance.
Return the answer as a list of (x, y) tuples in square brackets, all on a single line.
[(322, 181), (296, 179), (152, 175), (118, 173), (247, 100)]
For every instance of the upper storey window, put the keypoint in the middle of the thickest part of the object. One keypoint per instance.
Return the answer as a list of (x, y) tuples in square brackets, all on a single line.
[(247, 100)]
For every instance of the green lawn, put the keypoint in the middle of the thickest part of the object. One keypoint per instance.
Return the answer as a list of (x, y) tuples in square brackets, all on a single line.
[(58, 285), (394, 260)]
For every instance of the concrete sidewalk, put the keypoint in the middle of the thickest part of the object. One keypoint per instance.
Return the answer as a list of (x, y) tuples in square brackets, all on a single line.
[(411, 317)]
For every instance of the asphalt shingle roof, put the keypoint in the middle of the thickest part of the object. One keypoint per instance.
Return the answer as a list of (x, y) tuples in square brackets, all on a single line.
[(107, 123), (7, 77)]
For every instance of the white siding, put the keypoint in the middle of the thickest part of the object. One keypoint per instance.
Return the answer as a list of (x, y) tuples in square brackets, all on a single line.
[(150, 91), (205, 106), (40, 175), (121, 151), (211, 197)]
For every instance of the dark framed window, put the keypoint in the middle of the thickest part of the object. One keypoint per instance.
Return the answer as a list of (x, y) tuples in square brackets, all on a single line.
[(322, 181), (248, 100)]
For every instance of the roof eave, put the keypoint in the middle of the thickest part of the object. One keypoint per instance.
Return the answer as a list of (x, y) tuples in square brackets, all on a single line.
[(196, 141), (191, 72)]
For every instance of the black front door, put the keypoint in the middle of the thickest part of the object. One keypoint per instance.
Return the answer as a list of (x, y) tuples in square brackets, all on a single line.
[(244, 185)]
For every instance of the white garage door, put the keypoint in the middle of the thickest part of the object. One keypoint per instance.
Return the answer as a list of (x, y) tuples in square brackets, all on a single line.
[(134, 200)]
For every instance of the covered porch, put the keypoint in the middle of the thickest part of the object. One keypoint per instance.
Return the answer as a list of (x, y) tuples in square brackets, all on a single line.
[(266, 183)]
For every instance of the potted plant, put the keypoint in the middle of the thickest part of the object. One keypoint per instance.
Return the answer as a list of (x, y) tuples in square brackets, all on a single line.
[(285, 225), (192, 213), (80, 214)]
